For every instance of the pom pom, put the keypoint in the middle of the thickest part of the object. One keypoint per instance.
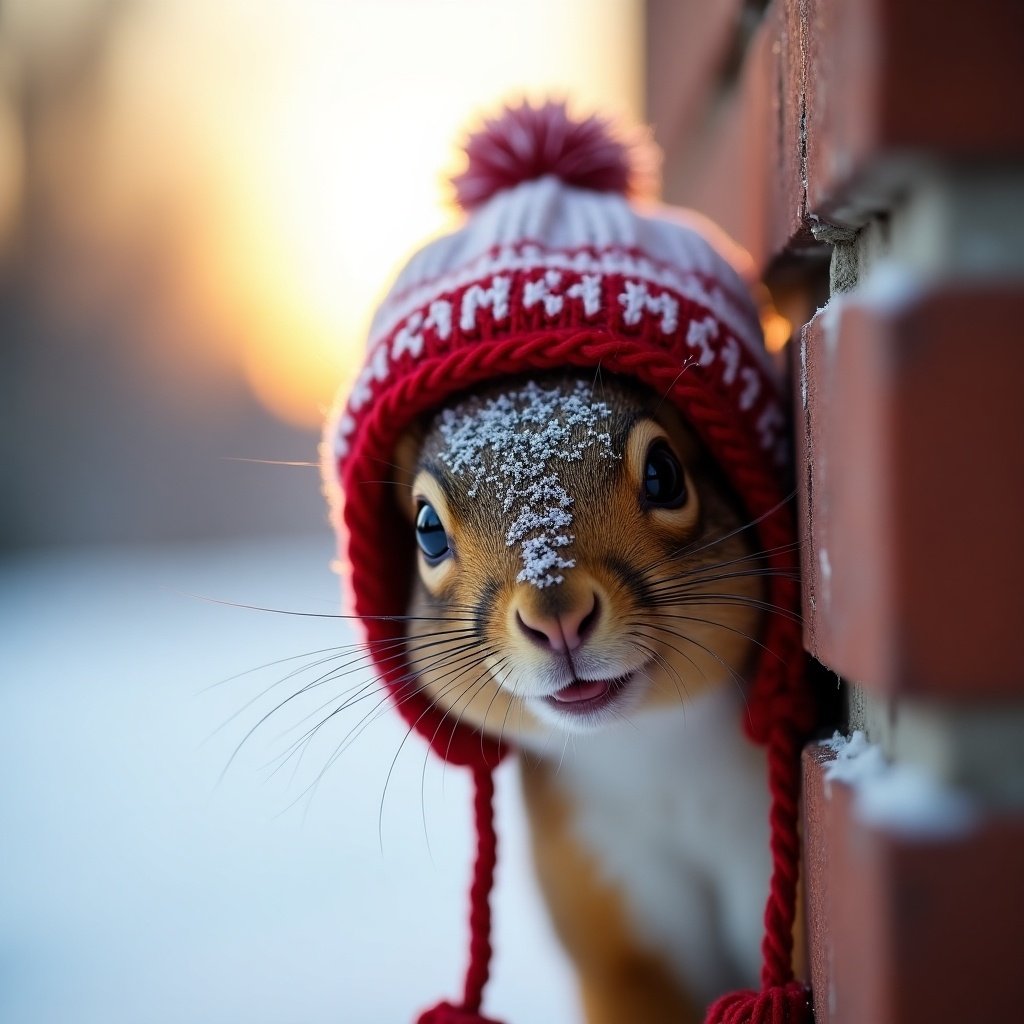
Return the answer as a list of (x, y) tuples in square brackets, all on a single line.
[(779, 1004), (526, 142), (445, 1013)]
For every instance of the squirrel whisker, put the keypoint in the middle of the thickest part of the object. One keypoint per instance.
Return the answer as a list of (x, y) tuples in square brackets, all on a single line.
[(637, 628), (667, 665), (712, 622), (754, 556), (356, 645), (736, 678), (700, 597), (689, 549), (364, 691), (399, 652), (391, 768)]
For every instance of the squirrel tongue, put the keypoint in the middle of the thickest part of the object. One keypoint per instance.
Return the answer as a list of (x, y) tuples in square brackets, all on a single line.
[(582, 689)]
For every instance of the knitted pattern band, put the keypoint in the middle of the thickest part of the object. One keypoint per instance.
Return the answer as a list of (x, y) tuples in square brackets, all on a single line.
[(556, 268)]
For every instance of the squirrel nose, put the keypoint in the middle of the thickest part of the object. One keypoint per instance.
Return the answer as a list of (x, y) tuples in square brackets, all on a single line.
[(563, 632)]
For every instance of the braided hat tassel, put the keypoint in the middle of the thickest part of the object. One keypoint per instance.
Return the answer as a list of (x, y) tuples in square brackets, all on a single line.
[(468, 1012), (782, 1000)]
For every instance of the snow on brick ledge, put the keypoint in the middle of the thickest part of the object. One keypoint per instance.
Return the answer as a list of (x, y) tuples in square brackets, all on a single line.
[(903, 798)]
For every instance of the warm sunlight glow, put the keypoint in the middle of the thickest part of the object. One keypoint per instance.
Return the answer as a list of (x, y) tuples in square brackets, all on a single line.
[(777, 330), (319, 147)]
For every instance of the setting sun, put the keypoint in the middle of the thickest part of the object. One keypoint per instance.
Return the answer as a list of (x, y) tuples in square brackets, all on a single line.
[(319, 155)]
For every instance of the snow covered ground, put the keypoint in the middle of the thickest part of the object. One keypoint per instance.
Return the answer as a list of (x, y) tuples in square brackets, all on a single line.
[(136, 888)]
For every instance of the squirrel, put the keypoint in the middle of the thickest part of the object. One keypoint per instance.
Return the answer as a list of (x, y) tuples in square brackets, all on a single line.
[(591, 561), (619, 678)]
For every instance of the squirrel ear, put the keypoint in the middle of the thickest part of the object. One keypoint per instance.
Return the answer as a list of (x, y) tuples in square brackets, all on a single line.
[(406, 463)]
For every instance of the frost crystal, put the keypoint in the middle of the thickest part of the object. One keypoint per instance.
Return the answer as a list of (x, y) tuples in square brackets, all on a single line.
[(512, 443)]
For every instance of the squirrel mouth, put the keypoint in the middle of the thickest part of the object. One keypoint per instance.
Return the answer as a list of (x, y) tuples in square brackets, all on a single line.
[(587, 694)]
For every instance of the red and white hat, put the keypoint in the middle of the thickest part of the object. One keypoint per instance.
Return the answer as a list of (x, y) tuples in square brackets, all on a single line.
[(556, 267)]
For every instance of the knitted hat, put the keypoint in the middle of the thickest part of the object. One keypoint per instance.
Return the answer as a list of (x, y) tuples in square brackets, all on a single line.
[(555, 267)]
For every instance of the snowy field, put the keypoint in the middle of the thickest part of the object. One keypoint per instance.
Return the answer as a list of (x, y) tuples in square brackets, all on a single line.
[(136, 887)]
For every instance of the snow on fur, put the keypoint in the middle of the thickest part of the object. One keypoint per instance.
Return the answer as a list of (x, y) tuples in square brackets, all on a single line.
[(513, 442)]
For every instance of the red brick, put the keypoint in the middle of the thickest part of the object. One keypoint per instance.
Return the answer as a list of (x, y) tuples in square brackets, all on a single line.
[(784, 164), (721, 183), (815, 865), (688, 47), (741, 161), (891, 81), (910, 930), (912, 485)]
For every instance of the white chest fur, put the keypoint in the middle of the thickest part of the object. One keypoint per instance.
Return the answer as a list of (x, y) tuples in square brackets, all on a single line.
[(674, 807)]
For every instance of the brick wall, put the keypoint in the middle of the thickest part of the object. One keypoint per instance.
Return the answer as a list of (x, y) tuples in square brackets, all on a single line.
[(870, 155)]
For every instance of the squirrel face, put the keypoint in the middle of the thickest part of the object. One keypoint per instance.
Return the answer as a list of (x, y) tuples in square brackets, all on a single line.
[(579, 559)]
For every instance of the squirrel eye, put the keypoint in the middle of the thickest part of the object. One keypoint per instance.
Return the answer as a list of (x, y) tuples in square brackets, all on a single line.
[(430, 535), (664, 480)]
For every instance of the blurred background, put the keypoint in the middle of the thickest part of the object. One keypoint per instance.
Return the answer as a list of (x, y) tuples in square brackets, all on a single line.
[(199, 206)]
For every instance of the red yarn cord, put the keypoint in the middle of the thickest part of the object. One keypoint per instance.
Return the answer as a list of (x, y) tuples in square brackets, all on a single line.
[(782, 1000), (480, 891), (780, 911)]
